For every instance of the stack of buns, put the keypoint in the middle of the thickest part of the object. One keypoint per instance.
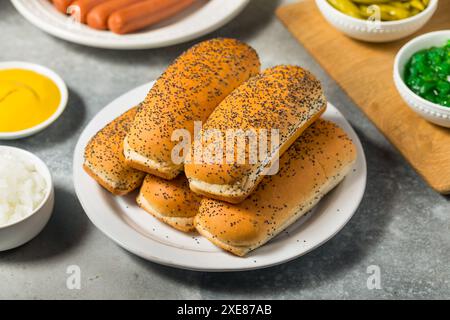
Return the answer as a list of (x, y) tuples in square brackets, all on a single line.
[(238, 205)]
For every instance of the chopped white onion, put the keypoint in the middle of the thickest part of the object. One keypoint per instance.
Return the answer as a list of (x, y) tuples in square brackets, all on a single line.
[(22, 188)]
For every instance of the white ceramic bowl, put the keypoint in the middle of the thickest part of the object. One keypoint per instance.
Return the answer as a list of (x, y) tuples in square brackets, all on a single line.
[(17, 233), (52, 76), (432, 112), (383, 31)]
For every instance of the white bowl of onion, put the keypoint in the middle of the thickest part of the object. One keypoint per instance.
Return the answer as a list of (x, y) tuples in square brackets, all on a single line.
[(26, 197)]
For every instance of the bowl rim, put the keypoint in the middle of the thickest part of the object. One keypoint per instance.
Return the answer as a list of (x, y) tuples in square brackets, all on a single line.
[(47, 176), (56, 79), (431, 6), (401, 55)]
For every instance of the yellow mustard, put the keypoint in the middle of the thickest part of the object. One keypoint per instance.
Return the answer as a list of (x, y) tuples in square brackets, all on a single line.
[(27, 99)]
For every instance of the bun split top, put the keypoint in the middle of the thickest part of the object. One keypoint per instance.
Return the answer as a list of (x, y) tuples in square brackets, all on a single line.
[(311, 167), (104, 160), (285, 98)]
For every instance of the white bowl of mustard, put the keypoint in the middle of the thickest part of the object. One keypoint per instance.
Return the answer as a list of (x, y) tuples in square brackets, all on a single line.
[(31, 98)]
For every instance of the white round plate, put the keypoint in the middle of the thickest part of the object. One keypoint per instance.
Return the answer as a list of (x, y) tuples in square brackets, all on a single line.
[(139, 232), (202, 18)]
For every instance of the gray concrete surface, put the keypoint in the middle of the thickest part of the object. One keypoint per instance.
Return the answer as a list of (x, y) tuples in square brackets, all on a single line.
[(402, 225)]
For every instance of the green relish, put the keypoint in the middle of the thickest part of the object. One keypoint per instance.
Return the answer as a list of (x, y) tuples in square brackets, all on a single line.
[(427, 73)]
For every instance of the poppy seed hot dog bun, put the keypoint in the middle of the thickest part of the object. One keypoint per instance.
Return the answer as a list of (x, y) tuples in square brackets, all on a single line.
[(311, 167), (188, 91), (104, 160), (285, 98), (172, 201)]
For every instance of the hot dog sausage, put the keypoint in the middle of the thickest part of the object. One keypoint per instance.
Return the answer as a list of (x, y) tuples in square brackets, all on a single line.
[(144, 14), (97, 18), (83, 7), (62, 5)]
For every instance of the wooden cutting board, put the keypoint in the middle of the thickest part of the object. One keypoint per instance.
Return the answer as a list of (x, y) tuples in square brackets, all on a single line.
[(364, 71)]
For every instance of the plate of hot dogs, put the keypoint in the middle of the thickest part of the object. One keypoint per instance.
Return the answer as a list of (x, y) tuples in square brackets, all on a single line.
[(220, 165), (129, 24)]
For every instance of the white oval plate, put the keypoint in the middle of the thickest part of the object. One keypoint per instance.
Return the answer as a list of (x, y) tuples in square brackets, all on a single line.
[(137, 231), (197, 21), (57, 80)]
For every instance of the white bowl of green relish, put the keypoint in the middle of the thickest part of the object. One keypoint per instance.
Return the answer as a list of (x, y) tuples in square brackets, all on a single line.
[(422, 76)]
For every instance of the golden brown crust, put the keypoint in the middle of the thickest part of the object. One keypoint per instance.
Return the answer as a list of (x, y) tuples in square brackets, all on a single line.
[(104, 160), (311, 167), (286, 98), (188, 91), (170, 201)]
